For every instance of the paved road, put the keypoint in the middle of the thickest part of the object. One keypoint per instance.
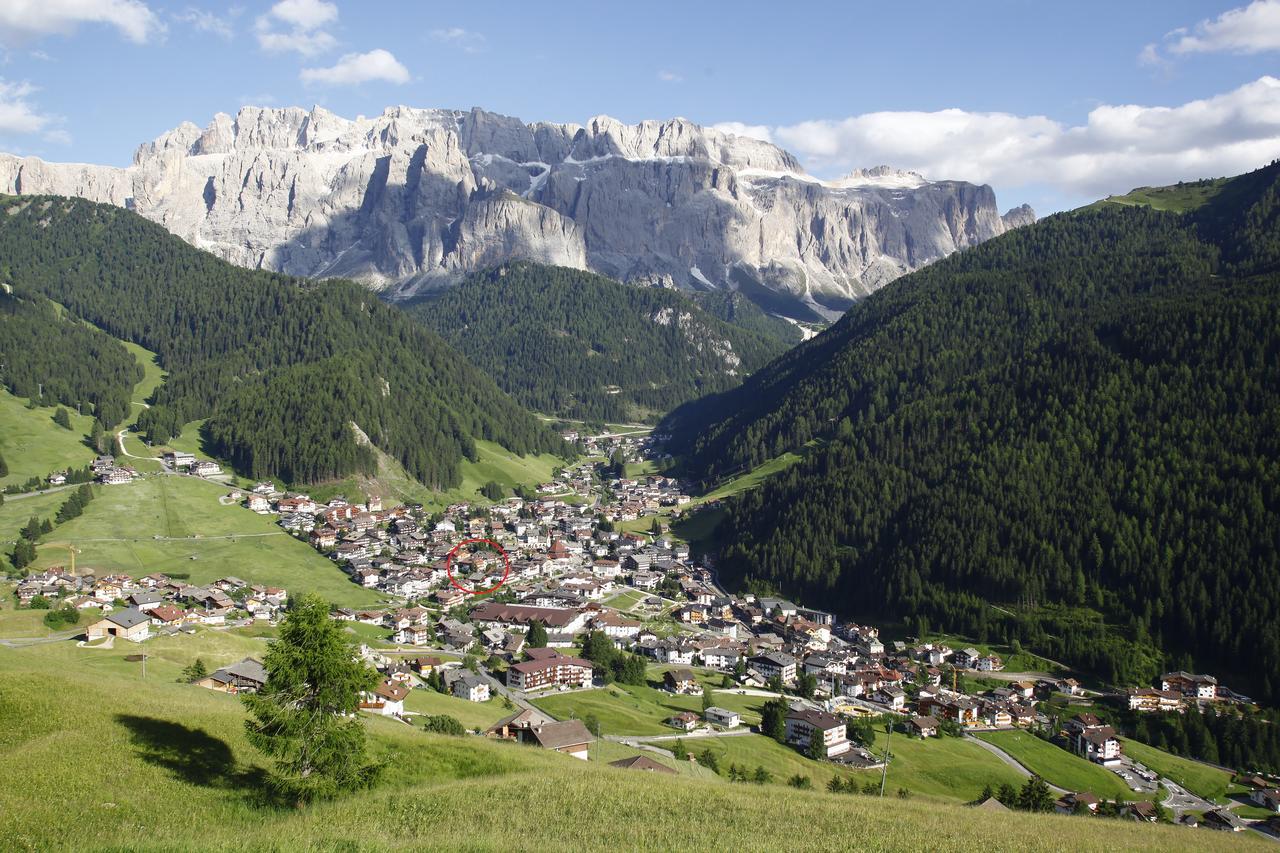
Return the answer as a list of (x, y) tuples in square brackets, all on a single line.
[(47, 491), (20, 642), (1011, 761)]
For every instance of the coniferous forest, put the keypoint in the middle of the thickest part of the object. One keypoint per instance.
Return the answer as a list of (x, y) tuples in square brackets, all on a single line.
[(48, 357), (1068, 436), (579, 345), (282, 367)]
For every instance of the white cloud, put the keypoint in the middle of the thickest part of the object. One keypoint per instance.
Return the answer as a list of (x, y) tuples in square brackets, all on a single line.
[(669, 76), (206, 22), (1150, 57), (304, 34), (737, 128), (307, 44), (16, 113), (354, 68), (468, 40), (1249, 29), (265, 99), (305, 14), (21, 20), (58, 137), (1117, 148)]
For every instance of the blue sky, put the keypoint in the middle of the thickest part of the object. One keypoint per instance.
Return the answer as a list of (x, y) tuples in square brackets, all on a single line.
[(1052, 104)]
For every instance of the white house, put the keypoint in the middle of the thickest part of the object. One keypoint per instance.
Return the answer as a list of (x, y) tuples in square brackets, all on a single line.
[(722, 717)]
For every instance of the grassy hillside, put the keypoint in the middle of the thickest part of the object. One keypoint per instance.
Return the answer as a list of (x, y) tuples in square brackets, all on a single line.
[(493, 462), (1179, 197), (1057, 766), (176, 525), (1208, 782), (94, 757), (34, 446)]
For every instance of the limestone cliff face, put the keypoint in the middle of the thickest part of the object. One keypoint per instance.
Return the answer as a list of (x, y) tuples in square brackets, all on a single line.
[(417, 197)]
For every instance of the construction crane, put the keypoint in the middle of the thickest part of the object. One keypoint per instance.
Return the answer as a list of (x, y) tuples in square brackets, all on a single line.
[(71, 549)]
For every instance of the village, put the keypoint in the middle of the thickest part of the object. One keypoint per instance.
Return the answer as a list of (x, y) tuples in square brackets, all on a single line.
[(499, 600)]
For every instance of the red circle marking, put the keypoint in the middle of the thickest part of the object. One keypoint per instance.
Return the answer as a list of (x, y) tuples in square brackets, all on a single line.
[(506, 561)]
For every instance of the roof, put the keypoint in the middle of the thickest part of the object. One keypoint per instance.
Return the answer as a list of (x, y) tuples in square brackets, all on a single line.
[(641, 762), (391, 691), (817, 719), (776, 658), (551, 617), (249, 669), (525, 717), (529, 666), (722, 712), (129, 618), (991, 804), (680, 675), (560, 735), (924, 722)]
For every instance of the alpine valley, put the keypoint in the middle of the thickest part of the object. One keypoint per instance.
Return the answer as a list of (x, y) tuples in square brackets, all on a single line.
[(440, 480)]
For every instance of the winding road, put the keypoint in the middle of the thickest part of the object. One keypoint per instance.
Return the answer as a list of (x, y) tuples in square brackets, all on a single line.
[(1011, 761)]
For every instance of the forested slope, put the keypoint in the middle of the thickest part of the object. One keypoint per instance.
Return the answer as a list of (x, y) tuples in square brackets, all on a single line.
[(579, 345), (282, 367), (1077, 422), (53, 358)]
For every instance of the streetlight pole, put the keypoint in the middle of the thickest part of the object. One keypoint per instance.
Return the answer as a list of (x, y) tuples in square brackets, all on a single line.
[(884, 771)]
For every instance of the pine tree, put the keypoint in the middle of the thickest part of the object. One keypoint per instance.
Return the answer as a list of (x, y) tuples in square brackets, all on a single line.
[(773, 720), (537, 636), (194, 671), (305, 715), (61, 418)]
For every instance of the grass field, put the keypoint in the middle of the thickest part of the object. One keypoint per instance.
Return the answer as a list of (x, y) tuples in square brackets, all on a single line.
[(18, 510), (152, 375), (473, 715), (15, 622), (34, 446), (1180, 197), (494, 463), (1057, 766), (938, 768), (203, 539), (944, 767), (640, 469), (751, 479), (1208, 782), (605, 751), (95, 758), (627, 709)]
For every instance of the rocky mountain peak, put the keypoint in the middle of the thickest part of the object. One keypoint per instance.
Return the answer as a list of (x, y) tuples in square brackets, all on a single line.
[(417, 197)]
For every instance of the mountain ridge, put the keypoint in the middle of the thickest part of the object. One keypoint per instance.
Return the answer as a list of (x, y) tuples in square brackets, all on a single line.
[(416, 198)]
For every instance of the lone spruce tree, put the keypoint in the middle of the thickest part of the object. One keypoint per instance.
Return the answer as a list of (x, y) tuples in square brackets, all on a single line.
[(304, 717)]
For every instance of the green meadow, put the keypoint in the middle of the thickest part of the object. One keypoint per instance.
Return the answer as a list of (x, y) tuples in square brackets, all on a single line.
[(176, 525), (96, 757)]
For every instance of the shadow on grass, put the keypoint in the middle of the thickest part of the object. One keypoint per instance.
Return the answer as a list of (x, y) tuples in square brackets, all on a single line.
[(195, 757)]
